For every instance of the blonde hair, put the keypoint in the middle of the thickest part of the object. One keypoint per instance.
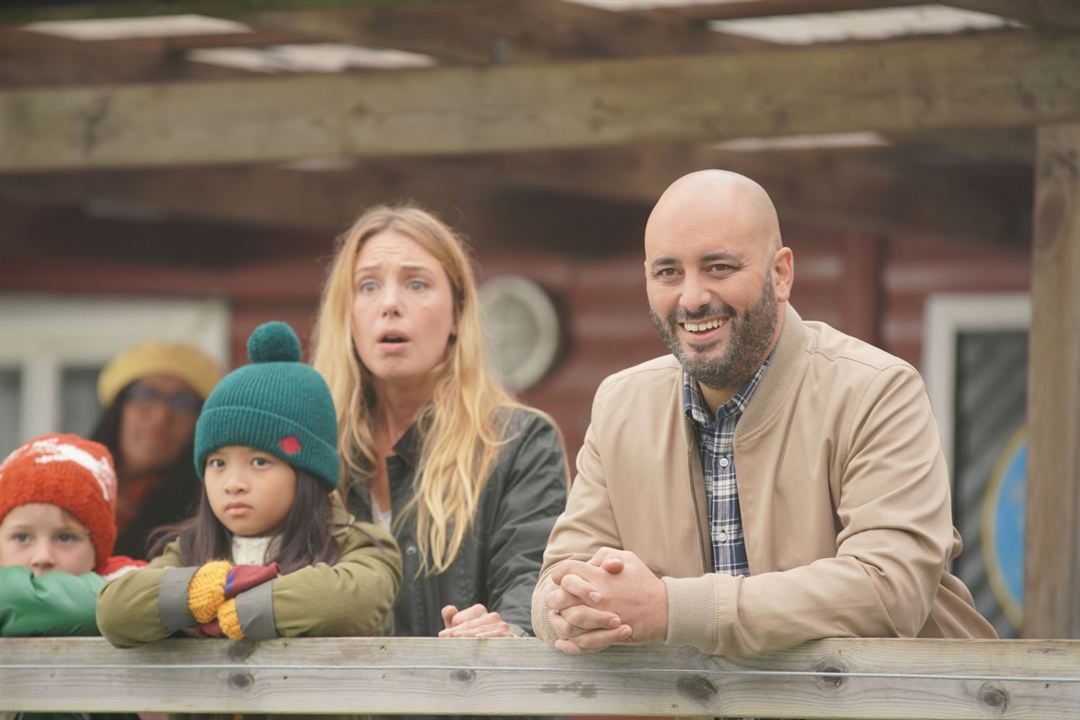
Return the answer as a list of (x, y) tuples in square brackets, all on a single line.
[(463, 423)]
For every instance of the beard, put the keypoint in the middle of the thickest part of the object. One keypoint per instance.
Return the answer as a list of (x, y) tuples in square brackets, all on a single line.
[(749, 339)]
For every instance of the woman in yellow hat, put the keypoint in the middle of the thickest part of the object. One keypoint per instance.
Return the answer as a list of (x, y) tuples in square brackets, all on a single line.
[(152, 394)]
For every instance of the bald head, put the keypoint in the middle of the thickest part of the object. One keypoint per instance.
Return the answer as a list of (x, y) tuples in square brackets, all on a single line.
[(718, 199), (717, 277)]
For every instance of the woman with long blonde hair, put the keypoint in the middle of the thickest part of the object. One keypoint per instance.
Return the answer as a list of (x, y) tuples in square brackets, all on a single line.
[(469, 480)]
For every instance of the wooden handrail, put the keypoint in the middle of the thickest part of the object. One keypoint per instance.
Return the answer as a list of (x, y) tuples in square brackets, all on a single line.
[(836, 678)]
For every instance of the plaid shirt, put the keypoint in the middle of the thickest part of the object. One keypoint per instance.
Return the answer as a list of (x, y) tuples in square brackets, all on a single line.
[(716, 445)]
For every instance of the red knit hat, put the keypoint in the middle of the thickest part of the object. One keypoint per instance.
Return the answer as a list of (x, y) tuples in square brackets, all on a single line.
[(70, 472)]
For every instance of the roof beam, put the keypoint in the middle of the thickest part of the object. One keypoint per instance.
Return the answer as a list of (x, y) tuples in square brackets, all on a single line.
[(830, 190), (503, 31), (995, 80), (1041, 14)]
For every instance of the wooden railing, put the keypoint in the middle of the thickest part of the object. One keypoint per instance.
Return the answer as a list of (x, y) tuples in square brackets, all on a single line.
[(840, 678)]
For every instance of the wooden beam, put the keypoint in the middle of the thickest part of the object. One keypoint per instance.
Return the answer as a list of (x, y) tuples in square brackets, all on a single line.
[(1041, 14), (849, 191), (980, 81), (32, 59), (1052, 569), (500, 32), (840, 678), (25, 11), (739, 9), (861, 192)]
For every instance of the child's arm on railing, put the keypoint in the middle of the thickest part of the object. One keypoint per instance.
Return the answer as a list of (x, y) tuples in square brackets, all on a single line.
[(57, 603)]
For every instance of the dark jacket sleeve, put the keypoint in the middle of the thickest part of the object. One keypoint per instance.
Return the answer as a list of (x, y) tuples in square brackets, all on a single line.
[(54, 604), (531, 482)]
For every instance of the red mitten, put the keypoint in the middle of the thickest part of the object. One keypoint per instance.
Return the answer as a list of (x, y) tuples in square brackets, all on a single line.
[(210, 629), (245, 577)]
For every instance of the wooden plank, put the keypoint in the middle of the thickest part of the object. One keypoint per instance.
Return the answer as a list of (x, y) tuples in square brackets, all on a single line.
[(1052, 570), (1043, 14), (20, 11), (979, 81), (504, 31), (821, 189), (738, 9), (833, 678)]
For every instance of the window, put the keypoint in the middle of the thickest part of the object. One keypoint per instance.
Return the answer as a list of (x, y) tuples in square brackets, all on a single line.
[(54, 347), (976, 370)]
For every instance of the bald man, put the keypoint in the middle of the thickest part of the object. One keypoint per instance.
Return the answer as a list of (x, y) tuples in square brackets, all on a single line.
[(771, 481)]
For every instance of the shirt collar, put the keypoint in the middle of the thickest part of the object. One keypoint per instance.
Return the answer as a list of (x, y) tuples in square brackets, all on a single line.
[(697, 409)]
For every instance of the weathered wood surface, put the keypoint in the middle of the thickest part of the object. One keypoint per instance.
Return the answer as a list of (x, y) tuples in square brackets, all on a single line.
[(842, 678), (997, 80), (1052, 563)]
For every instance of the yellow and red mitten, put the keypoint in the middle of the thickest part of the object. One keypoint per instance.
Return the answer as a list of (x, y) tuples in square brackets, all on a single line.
[(237, 579)]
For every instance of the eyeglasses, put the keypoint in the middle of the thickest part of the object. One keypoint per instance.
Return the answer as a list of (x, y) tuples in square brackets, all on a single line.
[(183, 401)]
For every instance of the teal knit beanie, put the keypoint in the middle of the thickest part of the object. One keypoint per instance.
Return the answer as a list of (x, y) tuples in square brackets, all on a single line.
[(276, 404)]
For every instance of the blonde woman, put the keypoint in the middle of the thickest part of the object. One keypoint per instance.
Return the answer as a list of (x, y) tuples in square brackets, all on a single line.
[(468, 480)]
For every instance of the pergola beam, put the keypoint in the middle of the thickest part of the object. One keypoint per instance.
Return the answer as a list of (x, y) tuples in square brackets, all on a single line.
[(995, 80), (814, 188)]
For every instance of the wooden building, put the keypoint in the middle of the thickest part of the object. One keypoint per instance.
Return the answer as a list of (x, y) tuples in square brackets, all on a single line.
[(217, 161)]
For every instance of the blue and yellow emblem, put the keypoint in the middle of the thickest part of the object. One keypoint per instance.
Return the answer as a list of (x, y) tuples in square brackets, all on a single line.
[(1003, 527)]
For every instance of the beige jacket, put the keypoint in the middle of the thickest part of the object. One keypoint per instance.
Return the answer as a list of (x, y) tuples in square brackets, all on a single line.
[(843, 489)]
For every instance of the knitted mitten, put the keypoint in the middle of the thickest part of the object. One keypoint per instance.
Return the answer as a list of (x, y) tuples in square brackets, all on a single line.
[(206, 591), (237, 579), (229, 622)]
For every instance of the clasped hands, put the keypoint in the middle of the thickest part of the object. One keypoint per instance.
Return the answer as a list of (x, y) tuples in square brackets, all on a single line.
[(473, 621), (212, 595), (612, 598)]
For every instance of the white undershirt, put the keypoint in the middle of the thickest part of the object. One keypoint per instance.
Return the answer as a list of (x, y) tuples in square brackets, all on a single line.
[(254, 550), (380, 517)]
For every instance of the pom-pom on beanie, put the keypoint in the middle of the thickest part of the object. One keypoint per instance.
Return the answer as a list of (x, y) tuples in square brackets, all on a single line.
[(276, 404), (75, 474)]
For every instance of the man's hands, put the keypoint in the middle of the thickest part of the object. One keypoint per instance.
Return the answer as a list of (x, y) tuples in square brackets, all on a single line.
[(612, 598), (474, 621)]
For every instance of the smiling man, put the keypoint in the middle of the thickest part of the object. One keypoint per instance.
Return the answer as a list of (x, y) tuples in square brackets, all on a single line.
[(771, 481)]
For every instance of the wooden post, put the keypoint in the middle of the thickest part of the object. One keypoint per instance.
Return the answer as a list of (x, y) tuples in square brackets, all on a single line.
[(1052, 577)]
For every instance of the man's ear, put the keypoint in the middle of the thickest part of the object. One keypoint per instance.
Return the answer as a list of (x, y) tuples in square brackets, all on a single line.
[(783, 269)]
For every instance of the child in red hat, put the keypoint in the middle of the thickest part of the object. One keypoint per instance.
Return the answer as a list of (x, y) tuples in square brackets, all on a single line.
[(57, 529)]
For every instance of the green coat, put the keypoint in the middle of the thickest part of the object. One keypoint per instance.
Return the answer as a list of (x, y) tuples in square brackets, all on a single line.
[(57, 603), (352, 597), (54, 604)]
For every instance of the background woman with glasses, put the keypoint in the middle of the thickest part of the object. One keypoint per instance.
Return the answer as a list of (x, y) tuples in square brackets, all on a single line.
[(152, 394)]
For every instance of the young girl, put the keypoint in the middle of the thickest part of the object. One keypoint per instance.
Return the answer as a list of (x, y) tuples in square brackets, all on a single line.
[(267, 553)]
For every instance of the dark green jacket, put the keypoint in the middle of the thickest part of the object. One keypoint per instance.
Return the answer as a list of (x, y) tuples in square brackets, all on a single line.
[(499, 564)]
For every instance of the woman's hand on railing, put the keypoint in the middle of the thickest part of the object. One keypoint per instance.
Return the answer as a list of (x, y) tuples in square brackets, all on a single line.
[(475, 621)]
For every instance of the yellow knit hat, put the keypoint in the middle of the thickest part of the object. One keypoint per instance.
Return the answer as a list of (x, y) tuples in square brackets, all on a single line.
[(182, 361)]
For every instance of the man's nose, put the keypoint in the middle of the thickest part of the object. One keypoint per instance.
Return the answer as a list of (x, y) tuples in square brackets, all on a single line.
[(695, 293)]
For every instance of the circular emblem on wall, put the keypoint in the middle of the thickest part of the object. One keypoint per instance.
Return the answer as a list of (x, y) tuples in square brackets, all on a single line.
[(1003, 527), (522, 328)]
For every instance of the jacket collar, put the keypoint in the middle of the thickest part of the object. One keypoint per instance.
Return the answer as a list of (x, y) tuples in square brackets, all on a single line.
[(780, 375), (408, 447)]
